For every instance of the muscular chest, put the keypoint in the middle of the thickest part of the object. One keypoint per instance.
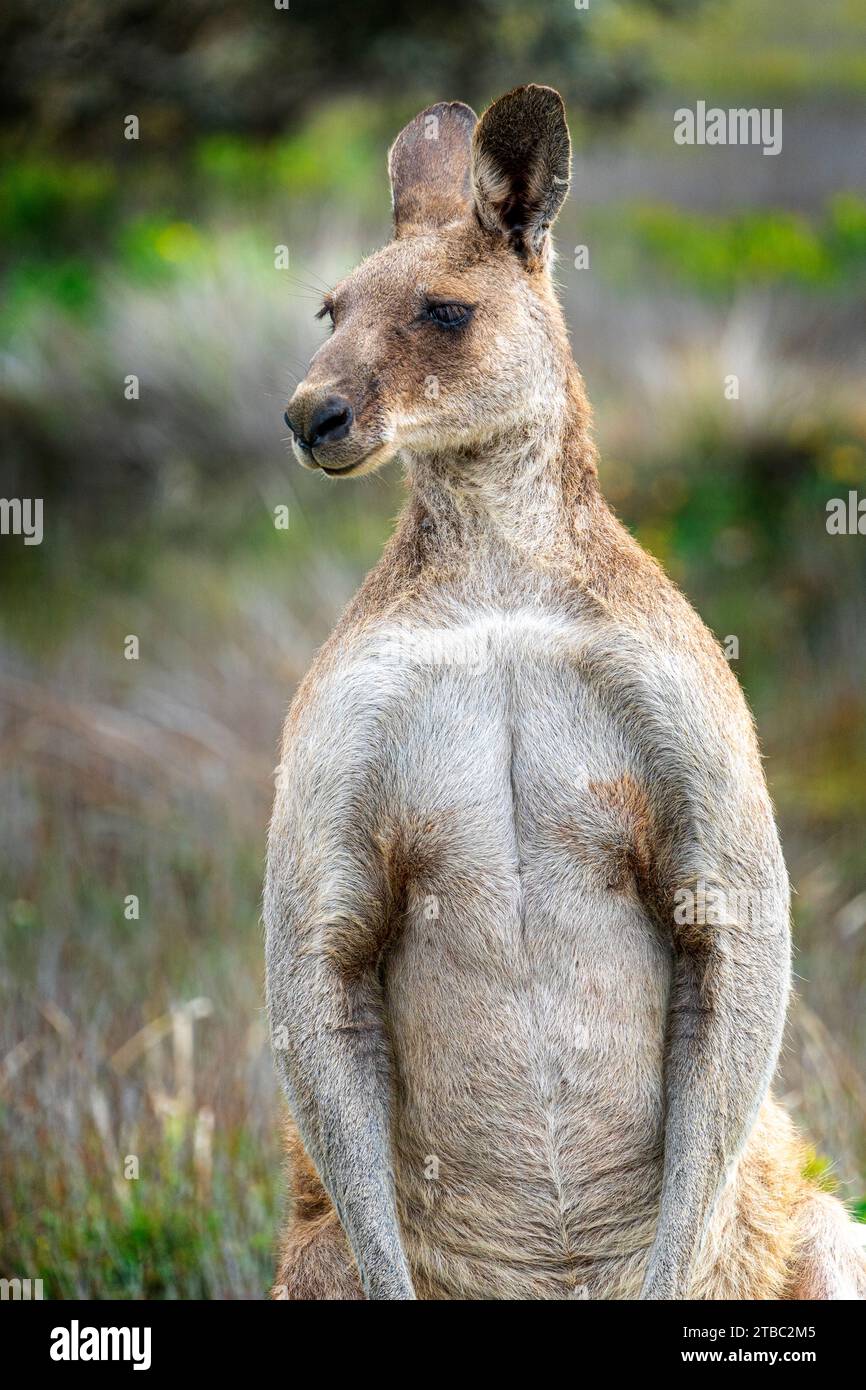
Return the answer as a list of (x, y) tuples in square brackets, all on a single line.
[(512, 792)]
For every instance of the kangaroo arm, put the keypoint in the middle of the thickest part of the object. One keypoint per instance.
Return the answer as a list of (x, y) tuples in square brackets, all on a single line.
[(327, 915), (725, 1021), (715, 883), (332, 1058)]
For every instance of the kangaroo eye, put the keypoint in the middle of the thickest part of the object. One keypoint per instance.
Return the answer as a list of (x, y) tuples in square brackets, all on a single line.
[(449, 315), (327, 311)]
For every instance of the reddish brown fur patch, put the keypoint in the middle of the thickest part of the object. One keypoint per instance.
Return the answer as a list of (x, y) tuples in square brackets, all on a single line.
[(750, 1243), (613, 833), (399, 856), (316, 1264), (309, 1198), (315, 1260), (775, 1236), (412, 852)]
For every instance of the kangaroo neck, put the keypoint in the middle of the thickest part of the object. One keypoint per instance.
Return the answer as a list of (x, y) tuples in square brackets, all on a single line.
[(526, 488)]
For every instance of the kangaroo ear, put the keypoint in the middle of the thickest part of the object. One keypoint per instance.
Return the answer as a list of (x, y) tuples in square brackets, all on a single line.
[(521, 167), (429, 167)]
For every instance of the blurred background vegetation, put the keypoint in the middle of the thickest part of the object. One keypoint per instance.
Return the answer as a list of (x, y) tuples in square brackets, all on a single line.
[(260, 127)]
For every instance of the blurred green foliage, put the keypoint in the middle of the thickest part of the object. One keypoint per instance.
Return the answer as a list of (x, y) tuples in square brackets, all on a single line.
[(44, 200), (227, 65), (757, 51), (749, 249), (65, 226), (163, 1242)]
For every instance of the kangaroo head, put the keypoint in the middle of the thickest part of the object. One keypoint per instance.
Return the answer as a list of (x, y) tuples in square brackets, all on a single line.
[(452, 333)]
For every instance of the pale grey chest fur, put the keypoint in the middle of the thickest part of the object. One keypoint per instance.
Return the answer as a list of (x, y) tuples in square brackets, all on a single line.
[(525, 986)]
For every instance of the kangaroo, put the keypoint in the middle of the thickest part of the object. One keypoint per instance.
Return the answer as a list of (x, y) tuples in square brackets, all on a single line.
[(523, 1058)]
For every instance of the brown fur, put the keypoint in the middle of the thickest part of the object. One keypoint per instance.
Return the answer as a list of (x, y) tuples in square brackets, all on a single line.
[(430, 168), (769, 1240)]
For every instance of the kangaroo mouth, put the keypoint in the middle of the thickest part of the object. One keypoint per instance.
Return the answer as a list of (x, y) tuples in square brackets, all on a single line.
[(322, 459), (349, 467), (378, 454)]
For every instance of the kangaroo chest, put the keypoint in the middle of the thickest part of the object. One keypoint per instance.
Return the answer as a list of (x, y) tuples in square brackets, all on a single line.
[(525, 987)]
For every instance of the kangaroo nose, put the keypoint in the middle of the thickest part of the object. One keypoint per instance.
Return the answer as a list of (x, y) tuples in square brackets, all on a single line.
[(330, 422)]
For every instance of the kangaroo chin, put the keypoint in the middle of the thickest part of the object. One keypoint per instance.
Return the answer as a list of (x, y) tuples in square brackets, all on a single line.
[(523, 1057)]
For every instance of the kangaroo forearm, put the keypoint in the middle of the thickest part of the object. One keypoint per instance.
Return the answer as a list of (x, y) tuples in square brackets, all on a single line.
[(709, 1113), (337, 1086), (344, 1128), (720, 1058)]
